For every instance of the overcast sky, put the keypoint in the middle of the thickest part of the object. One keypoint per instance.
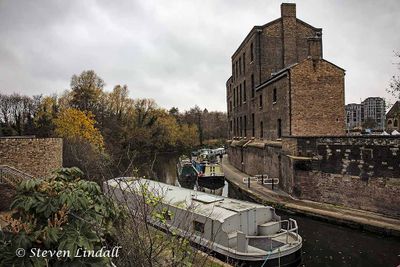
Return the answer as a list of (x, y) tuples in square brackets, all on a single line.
[(178, 52)]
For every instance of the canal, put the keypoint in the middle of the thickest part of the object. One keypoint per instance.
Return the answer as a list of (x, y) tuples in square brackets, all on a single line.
[(324, 244)]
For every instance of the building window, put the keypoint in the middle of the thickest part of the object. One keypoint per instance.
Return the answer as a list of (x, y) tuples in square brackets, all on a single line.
[(233, 71), (240, 126), (252, 125), (234, 97), (240, 66), (279, 130), (237, 96), (261, 130), (389, 122), (251, 52), (261, 102), (240, 94), (198, 226), (237, 69), (237, 126), (234, 126), (395, 123), (245, 126), (274, 97), (252, 86), (244, 91), (244, 63), (230, 125), (230, 105)]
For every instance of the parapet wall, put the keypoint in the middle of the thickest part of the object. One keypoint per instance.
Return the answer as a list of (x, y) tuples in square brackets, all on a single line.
[(357, 172), (366, 157), (35, 156)]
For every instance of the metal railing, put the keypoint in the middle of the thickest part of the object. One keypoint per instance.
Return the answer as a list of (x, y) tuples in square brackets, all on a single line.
[(12, 176), (263, 179)]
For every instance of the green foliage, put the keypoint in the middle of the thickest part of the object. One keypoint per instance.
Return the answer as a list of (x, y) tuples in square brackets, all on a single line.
[(59, 213)]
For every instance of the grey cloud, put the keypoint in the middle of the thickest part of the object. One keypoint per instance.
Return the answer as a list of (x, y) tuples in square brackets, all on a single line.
[(178, 52)]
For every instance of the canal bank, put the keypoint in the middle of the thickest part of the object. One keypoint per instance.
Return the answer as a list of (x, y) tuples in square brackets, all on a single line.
[(340, 215)]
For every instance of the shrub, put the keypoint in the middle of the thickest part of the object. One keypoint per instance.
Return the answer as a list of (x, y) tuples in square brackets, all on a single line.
[(62, 213)]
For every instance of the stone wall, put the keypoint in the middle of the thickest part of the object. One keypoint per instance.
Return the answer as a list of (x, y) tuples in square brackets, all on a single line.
[(35, 156), (256, 157), (379, 194), (366, 157), (357, 172)]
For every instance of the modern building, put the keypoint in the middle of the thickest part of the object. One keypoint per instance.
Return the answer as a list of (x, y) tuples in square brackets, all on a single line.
[(281, 85), (374, 110), (393, 118), (369, 114), (354, 116)]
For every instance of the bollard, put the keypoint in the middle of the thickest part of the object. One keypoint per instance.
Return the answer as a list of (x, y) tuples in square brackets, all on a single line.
[(262, 179), (248, 182)]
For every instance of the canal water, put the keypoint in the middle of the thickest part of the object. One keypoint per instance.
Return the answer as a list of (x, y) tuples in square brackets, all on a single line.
[(324, 244)]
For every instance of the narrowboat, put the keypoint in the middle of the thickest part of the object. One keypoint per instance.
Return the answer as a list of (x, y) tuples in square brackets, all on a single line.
[(185, 170), (208, 168), (239, 230)]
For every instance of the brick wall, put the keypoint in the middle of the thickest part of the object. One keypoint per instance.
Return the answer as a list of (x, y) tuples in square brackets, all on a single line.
[(35, 156), (317, 88), (276, 45)]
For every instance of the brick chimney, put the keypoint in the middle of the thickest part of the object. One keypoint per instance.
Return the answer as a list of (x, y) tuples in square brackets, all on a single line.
[(315, 47), (288, 15), (288, 10)]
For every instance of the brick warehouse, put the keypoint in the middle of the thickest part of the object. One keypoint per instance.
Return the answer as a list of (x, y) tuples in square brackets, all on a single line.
[(277, 71), (286, 115)]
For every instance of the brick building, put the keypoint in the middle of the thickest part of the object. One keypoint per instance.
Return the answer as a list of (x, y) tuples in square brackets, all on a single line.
[(393, 118), (281, 85)]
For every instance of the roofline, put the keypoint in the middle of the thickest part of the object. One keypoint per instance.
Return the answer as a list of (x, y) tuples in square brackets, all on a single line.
[(306, 24), (252, 31), (327, 61), (395, 105), (227, 81), (261, 27), (283, 72), (272, 80)]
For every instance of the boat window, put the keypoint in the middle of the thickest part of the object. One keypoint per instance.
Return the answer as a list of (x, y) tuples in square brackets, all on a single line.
[(198, 226)]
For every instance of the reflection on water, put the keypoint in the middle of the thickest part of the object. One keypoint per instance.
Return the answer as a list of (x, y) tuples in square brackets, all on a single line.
[(324, 244)]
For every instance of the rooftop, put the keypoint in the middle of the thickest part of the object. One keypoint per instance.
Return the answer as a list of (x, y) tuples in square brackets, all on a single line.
[(215, 207)]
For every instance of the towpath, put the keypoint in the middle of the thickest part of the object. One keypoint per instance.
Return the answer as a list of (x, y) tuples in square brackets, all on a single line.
[(354, 218)]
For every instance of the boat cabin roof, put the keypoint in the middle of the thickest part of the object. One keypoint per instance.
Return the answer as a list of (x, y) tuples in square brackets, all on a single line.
[(214, 207)]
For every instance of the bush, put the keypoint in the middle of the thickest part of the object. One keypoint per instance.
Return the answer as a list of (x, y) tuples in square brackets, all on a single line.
[(62, 213)]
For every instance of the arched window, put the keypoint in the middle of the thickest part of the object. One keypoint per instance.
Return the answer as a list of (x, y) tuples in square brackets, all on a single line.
[(395, 123), (389, 122)]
